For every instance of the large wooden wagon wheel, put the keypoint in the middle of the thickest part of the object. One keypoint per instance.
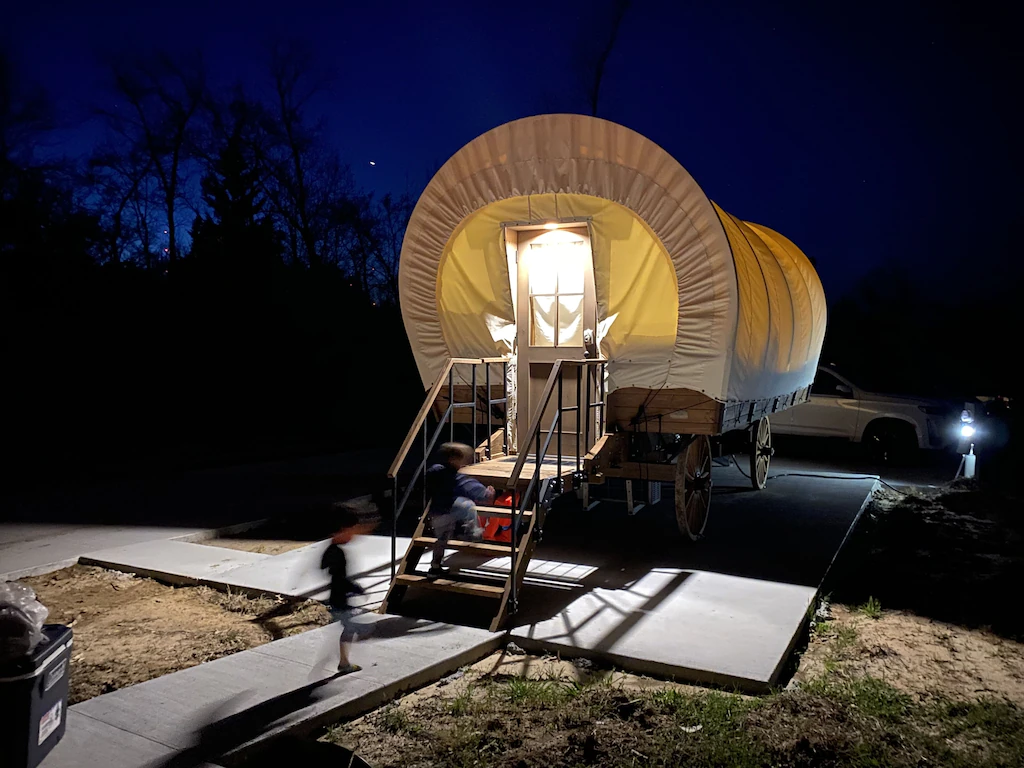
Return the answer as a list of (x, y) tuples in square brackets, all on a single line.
[(693, 487), (761, 452)]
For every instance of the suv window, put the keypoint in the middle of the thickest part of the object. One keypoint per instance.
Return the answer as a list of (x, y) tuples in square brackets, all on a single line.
[(827, 384)]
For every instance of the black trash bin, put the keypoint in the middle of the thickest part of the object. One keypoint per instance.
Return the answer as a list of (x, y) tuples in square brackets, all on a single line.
[(34, 699)]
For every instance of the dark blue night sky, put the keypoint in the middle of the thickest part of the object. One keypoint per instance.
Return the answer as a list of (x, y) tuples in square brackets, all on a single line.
[(870, 134)]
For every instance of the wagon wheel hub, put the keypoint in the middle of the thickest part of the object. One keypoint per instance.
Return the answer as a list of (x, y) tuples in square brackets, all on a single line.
[(700, 483), (693, 487)]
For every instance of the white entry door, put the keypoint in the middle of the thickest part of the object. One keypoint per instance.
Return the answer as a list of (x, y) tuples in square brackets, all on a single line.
[(557, 316)]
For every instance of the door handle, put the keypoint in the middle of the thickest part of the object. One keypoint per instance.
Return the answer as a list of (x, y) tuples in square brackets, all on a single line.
[(588, 341)]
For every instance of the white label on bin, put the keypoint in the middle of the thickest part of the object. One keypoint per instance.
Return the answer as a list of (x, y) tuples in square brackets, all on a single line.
[(55, 674), (49, 722)]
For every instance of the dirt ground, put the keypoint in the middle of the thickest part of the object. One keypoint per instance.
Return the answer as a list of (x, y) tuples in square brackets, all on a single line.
[(260, 546), (525, 711), (924, 658), (130, 629), (954, 554)]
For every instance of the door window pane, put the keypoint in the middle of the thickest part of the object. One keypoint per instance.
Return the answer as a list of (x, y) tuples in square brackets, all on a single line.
[(570, 320), (542, 321), (570, 268), (543, 271)]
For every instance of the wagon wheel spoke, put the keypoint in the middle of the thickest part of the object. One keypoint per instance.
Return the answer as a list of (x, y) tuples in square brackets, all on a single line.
[(760, 452), (693, 487)]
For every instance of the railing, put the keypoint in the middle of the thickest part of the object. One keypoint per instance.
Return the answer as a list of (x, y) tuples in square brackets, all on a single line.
[(582, 408), (420, 423)]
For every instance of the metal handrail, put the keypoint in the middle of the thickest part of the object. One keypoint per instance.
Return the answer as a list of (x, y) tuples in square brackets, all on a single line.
[(545, 399), (447, 375), (421, 417), (428, 403), (534, 435)]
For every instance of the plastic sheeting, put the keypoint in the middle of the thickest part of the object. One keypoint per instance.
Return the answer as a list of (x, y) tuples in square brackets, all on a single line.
[(688, 296)]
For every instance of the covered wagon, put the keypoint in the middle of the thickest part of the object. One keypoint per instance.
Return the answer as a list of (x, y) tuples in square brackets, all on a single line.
[(570, 293)]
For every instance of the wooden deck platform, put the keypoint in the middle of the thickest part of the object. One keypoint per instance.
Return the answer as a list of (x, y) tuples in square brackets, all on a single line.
[(496, 472)]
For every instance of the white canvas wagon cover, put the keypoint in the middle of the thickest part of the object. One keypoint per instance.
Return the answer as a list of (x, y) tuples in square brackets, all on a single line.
[(688, 296)]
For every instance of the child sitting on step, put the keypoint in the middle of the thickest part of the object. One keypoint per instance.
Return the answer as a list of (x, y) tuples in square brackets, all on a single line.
[(453, 498)]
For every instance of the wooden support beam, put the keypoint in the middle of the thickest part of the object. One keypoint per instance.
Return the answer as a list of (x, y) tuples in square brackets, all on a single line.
[(635, 470)]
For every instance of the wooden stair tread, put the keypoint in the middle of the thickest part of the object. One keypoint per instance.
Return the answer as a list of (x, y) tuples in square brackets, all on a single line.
[(450, 585), (500, 512), (471, 546)]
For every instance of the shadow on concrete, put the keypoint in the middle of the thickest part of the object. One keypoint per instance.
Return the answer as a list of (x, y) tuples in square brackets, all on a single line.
[(400, 626), (219, 733), (789, 533), (628, 620)]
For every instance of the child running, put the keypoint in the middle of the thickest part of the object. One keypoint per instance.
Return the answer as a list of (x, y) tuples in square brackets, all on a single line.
[(342, 587), (453, 498)]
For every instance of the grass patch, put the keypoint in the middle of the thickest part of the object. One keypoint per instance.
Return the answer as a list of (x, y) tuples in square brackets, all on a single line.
[(994, 720), (394, 719), (821, 628), (846, 637), (520, 690), (462, 703), (869, 696), (872, 608)]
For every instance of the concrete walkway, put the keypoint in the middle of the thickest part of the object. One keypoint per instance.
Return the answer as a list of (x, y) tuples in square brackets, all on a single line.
[(29, 549), (293, 574), (233, 704)]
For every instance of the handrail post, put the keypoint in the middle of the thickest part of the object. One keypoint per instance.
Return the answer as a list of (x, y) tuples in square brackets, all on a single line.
[(394, 526), (586, 434), (536, 460), (487, 385), (451, 403), (558, 462), (579, 411), (504, 395), (475, 401)]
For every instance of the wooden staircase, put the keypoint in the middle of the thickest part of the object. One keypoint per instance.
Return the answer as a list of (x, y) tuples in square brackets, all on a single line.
[(534, 478), (411, 575)]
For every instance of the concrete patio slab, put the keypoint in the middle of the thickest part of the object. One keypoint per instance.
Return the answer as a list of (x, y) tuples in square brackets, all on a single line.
[(698, 626), (725, 610), (173, 561)]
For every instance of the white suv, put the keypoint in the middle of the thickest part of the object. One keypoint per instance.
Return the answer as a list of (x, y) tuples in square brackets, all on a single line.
[(889, 424)]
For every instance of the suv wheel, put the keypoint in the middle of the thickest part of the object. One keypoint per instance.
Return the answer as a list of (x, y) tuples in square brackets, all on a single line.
[(890, 442)]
